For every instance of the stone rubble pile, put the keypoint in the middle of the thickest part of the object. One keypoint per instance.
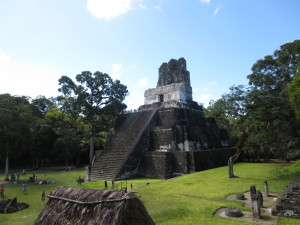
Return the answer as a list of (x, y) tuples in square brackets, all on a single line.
[(288, 203)]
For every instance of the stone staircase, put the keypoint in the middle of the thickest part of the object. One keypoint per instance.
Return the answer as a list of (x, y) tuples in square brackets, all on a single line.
[(109, 165)]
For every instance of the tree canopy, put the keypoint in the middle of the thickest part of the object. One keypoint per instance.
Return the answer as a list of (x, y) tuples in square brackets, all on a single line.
[(266, 108), (96, 97), (294, 93), (59, 129)]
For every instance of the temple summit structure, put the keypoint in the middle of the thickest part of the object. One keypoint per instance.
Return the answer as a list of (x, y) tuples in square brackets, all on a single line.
[(167, 137)]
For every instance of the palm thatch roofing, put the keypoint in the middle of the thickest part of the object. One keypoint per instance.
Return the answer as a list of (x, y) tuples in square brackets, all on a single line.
[(79, 206)]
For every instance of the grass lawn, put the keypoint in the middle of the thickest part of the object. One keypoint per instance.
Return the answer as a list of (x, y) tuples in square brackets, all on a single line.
[(190, 199)]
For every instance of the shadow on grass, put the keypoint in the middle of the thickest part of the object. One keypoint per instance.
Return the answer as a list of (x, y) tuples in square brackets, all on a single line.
[(202, 198), (288, 172)]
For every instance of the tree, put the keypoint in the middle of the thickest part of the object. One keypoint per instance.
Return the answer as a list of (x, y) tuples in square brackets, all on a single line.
[(233, 158), (230, 113), (294, 93), (42, 134), (42, 105), (97, 97), (230, 110), (70, 134), (16, 117), (263, 109), (270, 106)]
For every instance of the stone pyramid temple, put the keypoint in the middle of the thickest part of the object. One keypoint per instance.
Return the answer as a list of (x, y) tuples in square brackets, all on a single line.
[(168, 136)]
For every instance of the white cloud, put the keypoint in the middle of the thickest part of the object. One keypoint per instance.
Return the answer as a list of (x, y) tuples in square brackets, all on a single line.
[(212, 83), (206, 1), (195, 90), (158, 7), (132, 66), (209, 85), (116, 71), (216, 10), (204, 98), (25, 79), (134, 102), (4, 58), (143, 82), (141, 6), (109, 9)]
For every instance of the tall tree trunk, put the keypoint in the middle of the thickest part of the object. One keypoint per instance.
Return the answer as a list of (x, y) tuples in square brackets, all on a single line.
[(92, 144), (236, 155), (78, 159), (6, 162), (231, 160), (67, 162), (230, 168), (37, 162), (32, 161)]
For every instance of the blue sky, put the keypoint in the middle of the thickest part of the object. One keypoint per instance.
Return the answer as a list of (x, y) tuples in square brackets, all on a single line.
[(41, 40)]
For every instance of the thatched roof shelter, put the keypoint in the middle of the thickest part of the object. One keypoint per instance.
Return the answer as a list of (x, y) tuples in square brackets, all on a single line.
[(79, 206)]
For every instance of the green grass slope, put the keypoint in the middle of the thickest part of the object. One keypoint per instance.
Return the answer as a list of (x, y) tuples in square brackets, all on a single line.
[(190, 199)]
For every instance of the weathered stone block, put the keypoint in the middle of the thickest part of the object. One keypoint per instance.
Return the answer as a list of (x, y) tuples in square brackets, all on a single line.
[(233, 212)]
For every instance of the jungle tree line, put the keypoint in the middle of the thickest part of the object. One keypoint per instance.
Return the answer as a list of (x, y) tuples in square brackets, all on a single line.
[(35, 132), (267, 109)]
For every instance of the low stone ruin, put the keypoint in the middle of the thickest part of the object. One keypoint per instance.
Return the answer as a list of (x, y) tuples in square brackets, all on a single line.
[(288, 203), (240, 197), (233, 212), (11, 206)]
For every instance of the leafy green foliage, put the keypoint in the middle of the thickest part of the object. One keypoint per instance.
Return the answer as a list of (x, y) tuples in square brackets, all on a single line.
[(96, 97), (229, 111), (16, 118), (294, 93), (263, 109), (70, 135), (277, 130)]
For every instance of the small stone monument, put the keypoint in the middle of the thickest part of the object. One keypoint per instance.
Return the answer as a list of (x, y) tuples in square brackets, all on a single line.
[(87, 173), (252, 191), (260, 199), (266, 188), (255, 201)]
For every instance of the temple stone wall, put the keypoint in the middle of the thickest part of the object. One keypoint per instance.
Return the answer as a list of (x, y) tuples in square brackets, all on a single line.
[(164, 165), (173, 84), (173, 72), (162, 139), (156, 165), (209, 159), (186, 130), (179, 92)]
